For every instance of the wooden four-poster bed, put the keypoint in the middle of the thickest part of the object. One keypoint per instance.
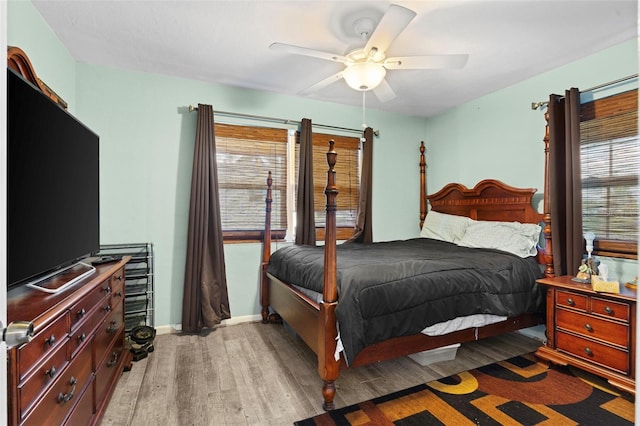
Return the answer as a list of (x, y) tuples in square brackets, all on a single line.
[(315, 320)]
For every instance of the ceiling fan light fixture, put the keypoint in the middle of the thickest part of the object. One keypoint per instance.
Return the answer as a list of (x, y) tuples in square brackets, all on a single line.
[(364, 75)]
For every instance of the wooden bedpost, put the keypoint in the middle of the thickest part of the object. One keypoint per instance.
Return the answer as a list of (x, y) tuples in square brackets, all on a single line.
[(423, 185), (266, 253), (328, 367), (546, 231)]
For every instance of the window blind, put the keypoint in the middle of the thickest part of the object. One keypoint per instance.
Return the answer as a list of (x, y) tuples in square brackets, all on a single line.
[(244, 156), (610, 160), (347, 178)]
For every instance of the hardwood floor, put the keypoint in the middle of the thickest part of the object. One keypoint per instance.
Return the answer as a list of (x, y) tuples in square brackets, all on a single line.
[(258, 374)]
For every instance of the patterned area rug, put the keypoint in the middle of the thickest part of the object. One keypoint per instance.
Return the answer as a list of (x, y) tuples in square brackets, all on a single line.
[(518, 391)]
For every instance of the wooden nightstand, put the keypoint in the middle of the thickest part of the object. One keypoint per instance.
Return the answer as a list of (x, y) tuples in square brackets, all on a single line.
[(590, 330)]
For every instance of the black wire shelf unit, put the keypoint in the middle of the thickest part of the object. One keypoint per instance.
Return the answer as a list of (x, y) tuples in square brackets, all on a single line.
[(139, 282)]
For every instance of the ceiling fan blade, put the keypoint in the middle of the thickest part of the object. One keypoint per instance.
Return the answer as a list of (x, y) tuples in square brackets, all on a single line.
[(322, 83), (426, 62), (297, 50), (384, 92), (394, 21)]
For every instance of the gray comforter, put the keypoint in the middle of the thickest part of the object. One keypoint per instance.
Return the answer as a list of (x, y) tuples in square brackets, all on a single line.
[(397, 288)]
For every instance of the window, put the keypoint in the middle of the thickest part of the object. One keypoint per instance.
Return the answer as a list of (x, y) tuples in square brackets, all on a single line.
[(246, 154), (347, 181), (610, 158)]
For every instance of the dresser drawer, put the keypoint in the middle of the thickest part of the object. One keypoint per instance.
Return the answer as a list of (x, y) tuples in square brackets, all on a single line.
[(83, 411), (59, 399), (41, 378), (80, 310), (42, 344), (610, 309), (572, 300), (107, 331), (593, 327), (109, 368), (84, 332), (591, 351), (117, 288)]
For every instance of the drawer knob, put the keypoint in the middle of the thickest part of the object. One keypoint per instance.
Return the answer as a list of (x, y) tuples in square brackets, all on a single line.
[(570, 302), (51, 372), (107, 308), (119, 294), (114, 360), (608, 310), (82, 337), (588, 351), (51, 341), (118, 278), (82, 313), (66, 397), (107, 289), (113, 326), (588, 327)]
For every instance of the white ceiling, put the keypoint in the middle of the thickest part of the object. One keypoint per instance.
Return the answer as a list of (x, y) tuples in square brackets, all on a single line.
[(227, 42)]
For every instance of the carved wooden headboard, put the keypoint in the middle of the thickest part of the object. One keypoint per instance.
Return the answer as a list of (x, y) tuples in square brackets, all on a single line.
[(18, 61), (490, 199)]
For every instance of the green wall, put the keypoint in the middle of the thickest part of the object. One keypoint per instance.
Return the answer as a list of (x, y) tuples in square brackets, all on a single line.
[(499, 136), (146, 148), (147, 135)]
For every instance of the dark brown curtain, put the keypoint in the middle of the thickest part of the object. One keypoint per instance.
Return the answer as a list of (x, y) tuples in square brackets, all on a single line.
[(305, 219), (565, 188), (205, 301), (363, 232)]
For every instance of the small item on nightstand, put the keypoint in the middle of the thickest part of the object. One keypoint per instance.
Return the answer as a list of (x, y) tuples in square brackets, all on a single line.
[(633, 284), (601, 285), (587, 268)]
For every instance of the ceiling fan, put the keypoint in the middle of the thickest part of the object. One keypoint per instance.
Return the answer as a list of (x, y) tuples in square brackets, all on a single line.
[(366, 68)]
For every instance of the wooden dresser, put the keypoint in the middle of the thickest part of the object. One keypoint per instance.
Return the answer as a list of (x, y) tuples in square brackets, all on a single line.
[(68, 371), (593, 331)]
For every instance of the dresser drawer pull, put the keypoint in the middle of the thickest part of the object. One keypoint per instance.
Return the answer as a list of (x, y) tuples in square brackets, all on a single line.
[(588, 327), (66, 397), (107, 308), (119, 294), (112, 327), (118, 278), (82, 337), (107, 289), (608, 310), (570, 302), (588, 351), (113, 361), (51, 341), (51, 372), (82, 313)]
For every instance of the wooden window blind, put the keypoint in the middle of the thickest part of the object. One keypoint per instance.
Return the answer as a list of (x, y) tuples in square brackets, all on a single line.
[(610, 160), (244, 156), (347, 181)]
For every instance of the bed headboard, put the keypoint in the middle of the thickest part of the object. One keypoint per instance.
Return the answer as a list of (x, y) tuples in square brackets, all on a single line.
[(490, 199)]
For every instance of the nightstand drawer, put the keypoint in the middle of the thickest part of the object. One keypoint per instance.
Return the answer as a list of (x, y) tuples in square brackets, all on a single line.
[(572, 300), (610, 309), (592, 327), (591, 351)]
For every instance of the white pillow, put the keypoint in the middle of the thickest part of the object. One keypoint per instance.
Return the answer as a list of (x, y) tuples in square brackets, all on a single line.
[(444, 227), (520, 239)]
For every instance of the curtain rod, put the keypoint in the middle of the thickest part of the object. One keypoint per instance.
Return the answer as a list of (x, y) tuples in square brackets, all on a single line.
[(536, 105), (282, 120)]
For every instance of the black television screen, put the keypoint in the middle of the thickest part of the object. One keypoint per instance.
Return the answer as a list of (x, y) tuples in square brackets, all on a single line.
[(53, 211)]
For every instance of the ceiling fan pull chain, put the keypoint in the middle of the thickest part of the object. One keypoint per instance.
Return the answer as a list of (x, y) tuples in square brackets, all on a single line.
[(364, 122)]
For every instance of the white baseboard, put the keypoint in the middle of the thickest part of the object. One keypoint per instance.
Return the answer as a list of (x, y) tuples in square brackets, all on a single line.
[(177, 328)]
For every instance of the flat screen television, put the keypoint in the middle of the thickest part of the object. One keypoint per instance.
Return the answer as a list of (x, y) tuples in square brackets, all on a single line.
[(53, 205)]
